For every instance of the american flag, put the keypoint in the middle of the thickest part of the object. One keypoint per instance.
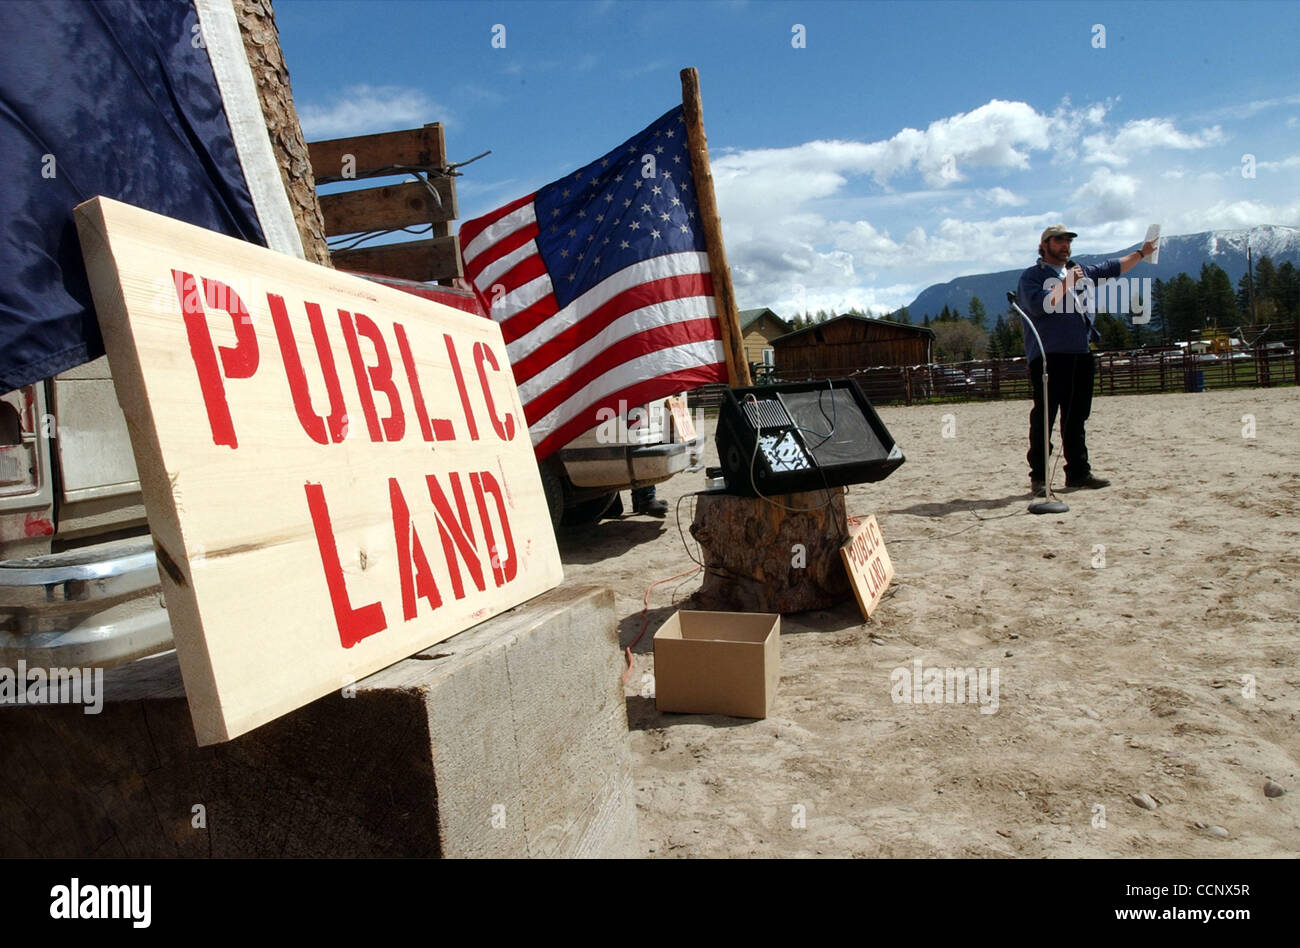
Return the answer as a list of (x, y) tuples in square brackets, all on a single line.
[(601, 284)]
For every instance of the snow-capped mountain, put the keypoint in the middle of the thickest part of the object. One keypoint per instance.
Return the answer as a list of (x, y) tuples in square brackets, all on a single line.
[(1179, 254)]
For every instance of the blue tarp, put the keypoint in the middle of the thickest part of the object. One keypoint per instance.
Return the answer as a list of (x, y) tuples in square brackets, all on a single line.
[(111, 98)]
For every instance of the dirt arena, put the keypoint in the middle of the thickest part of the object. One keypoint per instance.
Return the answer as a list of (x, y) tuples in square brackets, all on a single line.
[(1146, 642)]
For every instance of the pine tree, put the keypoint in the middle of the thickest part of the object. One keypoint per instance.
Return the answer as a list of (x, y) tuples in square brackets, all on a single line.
[(903, 316), (995, 339), (1218, 305), (1288, 291), (1182, 307), (977, 312)]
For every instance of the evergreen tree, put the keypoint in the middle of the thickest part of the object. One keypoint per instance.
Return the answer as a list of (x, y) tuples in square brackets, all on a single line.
[(995, 339), (1218, 305), (925, 320), (1265, 280), (1182, 307), (1114, 333), (1243, 298), (1288, 291), (977, 312), (1157, 324), (903, 316)]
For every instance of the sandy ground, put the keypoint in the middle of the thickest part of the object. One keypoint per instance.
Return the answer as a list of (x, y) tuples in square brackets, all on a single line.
[(1121, 671)]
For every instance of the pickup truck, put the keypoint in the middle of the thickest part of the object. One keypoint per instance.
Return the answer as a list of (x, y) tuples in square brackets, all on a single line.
[(78, 575)]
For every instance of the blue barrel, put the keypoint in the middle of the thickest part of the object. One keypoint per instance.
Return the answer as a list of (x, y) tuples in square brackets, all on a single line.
[(1195, 380)]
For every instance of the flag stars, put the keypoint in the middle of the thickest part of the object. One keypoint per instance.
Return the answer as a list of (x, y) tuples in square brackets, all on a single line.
[(564, 253), (618, 179), (636, 183), (627, 202), (635, 225), (656, 190), (675, 202), (645, 208), (685, 229), (604, 162), (669, 133), (600, 218), (555, 212), (654, 235), (659, 149), (667, 175), (609, 198), (572, 232), (596, 262), (623, 245), (664, 216), (571, 277), (582, 213), (564, 193), (677, 159)]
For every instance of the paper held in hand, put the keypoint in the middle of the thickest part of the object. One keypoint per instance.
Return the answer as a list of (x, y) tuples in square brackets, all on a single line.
[(869, 566), (1153, 234), (337, 474)]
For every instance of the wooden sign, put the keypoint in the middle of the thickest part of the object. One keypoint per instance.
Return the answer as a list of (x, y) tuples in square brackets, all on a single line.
[(869, 566), (683, 424), (337, 474)]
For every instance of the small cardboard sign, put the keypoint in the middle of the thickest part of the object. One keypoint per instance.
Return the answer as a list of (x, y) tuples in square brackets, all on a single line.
[(337, 474), (869, 566), (683, 424)]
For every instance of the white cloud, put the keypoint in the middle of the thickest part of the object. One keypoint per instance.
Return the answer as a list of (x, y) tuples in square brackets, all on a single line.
[(1001, 197), (1105, 197), (362, 109), (839, 223), (1292, 161), (1143, 135)]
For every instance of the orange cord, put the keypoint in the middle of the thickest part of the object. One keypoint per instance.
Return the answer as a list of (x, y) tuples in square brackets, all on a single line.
[(645, 613)]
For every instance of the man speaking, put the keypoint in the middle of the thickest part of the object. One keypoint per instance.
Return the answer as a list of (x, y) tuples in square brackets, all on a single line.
[(1058, 295)]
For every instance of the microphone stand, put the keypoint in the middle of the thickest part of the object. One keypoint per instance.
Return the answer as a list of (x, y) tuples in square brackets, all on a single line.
[(1049, 503)]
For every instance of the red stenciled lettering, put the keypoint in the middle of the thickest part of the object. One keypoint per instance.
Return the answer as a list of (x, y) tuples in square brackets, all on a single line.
[(504, 566), (412, 564), (457, 534), (432, 428), (353, 624), (237, 362), (505, 429), (460, 386), (376, 378), (313, 424)]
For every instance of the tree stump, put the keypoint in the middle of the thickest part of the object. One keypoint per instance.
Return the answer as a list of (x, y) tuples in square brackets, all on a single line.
[(759, 557)]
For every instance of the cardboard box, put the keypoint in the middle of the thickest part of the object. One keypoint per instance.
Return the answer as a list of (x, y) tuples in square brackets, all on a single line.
[(718, 663)]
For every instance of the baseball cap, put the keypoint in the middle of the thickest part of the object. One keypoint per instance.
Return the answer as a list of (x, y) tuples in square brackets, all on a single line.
[(1056, 230)]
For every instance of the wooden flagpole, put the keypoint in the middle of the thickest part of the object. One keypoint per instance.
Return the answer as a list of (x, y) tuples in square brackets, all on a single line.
[(723, 293)]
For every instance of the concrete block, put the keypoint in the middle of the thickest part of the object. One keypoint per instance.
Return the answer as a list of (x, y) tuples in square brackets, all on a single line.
[(508, 740)]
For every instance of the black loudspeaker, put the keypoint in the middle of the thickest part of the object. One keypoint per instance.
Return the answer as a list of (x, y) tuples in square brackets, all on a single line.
[(801, 436)]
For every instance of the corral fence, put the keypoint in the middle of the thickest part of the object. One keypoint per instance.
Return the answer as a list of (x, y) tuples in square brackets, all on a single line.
[(1272, 361)]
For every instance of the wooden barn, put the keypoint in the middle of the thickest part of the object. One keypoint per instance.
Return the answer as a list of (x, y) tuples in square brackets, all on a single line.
[(844, 344)]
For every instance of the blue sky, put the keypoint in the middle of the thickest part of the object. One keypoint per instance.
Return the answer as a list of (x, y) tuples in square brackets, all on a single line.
[(901, 145)]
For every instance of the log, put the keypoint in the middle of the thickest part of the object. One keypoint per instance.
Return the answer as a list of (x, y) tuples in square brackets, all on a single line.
[(760, 557), (271, 75)]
